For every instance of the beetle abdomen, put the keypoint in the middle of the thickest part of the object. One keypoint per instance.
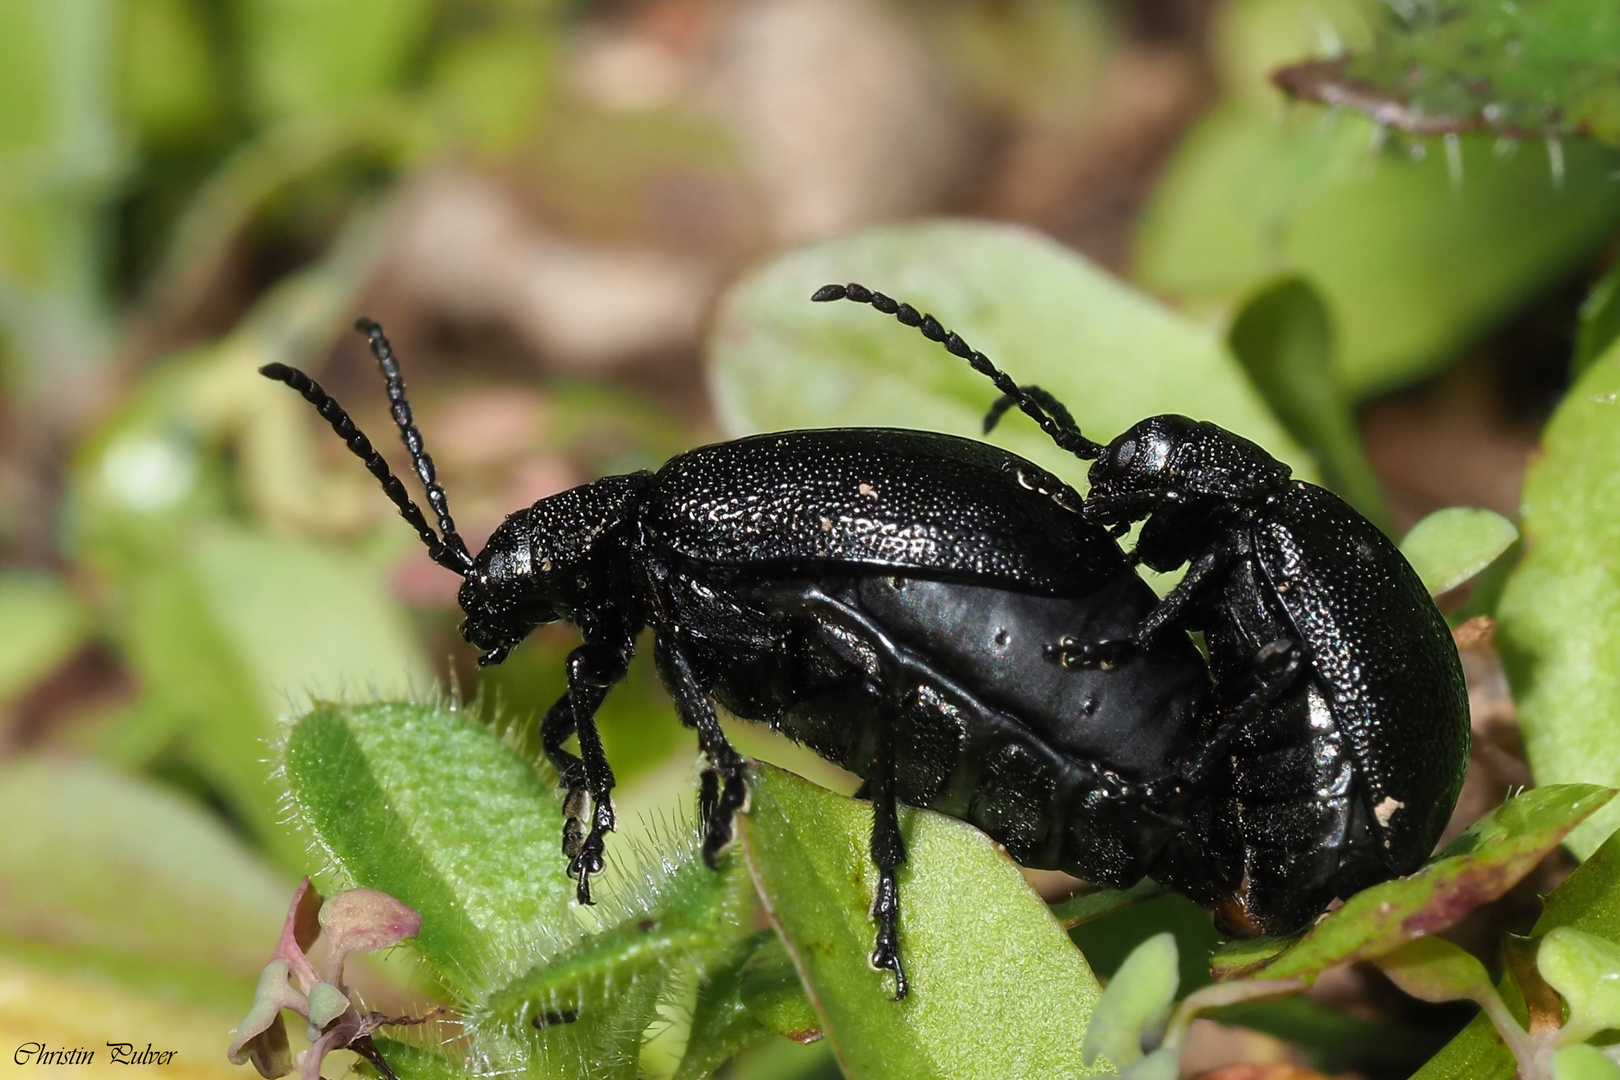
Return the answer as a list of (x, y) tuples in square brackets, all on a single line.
[(987, 727)]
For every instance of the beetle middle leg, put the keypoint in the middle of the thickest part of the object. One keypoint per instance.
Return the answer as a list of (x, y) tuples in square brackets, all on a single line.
[(725, 788), (1278, 667)]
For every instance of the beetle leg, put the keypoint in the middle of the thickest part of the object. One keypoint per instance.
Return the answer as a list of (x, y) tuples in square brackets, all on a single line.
[(888, 852), (1172, 611), (592, 669), (1278, 667), (729, 787), (555, 730)]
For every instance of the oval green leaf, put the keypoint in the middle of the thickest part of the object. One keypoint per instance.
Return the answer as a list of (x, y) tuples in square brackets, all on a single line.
[(1135, 1004), (429, 806), (1585, 969), (1040, 312), (997, 990), (1450, 546)]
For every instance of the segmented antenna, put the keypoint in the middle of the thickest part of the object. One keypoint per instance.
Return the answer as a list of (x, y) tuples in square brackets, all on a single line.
[(401, 408), (360, 446), (1034, 402)]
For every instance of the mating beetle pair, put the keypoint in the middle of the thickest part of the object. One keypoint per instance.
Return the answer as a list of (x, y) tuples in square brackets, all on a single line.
[(959, 627)]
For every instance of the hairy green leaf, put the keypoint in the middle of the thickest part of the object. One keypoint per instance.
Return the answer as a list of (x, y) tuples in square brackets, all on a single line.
[(1544, 67), (1414, 259), (722, 1023), (583, 1007), (429, 806)]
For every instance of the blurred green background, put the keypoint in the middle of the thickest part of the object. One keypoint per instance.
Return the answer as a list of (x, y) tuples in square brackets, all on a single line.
[(547, 203)]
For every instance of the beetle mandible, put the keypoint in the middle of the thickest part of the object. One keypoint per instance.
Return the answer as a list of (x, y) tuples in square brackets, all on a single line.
[(890, 598), (1344, 767)]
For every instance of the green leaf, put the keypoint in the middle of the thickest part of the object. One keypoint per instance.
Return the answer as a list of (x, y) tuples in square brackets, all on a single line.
[(429, 806), (230, 627), (1552, 66), (60, 158), (1480, 865), (412, 1062), (1588, 900), (773, 993), (303, 56), (41, 624), (1135, 1004), (1283, 336), (1583, 1063), (1600, 322), (1450, 546), (1412, 265), (1042, 313), (1558, 620), (1086, 906), (996, 988), (722, 1022), (582, 1008), (1585, 970), (116, 874), (1433, 969)]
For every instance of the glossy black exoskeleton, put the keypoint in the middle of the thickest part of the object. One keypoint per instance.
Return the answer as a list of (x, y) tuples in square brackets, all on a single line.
[(1342, 764), (890, 598)]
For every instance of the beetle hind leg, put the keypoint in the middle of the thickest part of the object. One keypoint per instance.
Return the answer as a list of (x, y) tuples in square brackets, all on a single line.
[(888, 852)]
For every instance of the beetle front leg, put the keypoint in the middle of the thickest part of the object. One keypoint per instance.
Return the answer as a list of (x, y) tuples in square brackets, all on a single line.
[(1174, 610), (555, 730), (592, 670), (725, 787)]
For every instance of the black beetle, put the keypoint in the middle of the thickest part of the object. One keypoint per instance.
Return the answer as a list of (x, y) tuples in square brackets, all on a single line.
[(1342, 765), (890, 598)]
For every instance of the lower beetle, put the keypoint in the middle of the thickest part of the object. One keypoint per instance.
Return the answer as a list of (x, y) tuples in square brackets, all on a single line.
[(1342, 767), (889, 598)]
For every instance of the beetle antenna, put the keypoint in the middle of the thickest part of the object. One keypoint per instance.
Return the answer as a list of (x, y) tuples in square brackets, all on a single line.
[(401, 407), (1034, 402), (361, 447)]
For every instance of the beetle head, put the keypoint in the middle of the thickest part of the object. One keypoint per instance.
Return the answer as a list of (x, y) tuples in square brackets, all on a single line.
[(538, 567), (1169, 459), (546, 563)]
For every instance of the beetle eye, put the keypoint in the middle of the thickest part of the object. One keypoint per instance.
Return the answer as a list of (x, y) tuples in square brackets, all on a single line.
[(1124, 453)]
